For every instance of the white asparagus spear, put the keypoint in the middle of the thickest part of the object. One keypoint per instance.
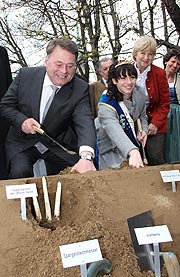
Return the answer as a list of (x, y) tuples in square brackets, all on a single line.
[(23, 208), (57, 200), (36, 208), (46, 200)]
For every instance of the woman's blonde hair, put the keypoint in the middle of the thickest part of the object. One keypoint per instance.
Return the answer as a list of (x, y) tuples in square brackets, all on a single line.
[(144, 43)]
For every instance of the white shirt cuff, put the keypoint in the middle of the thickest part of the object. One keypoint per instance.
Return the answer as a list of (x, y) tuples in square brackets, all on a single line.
[(86, 148)]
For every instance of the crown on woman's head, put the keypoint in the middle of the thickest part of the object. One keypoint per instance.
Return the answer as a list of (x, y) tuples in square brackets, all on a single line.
[(124, 62)]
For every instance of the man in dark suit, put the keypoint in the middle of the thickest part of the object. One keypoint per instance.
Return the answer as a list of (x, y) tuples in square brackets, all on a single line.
[(96, 88), (5, 81), (25, 105)]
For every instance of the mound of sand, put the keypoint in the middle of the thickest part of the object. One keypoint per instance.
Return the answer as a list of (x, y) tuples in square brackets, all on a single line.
[(94, 205)]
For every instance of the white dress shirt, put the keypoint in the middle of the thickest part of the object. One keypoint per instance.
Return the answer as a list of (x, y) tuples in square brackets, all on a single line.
[(141, 80), (47, 91)]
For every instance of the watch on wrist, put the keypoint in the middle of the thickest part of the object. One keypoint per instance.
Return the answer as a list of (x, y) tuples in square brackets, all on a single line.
[(86, 157)]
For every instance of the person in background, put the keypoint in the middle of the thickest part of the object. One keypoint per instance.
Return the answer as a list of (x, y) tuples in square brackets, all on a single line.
[(153, 78), (97, 88), (118, 110), (25, 106), (5, 81), (171, 61)]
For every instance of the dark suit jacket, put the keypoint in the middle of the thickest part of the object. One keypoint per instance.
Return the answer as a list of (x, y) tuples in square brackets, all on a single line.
[(69, 107), (5, 71), (5, 81)]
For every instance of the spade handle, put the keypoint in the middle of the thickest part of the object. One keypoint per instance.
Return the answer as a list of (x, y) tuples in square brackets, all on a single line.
[(38, 130)]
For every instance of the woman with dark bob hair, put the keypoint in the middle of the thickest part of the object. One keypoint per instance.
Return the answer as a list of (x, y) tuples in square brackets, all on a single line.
[(120, 105), (171, 61)]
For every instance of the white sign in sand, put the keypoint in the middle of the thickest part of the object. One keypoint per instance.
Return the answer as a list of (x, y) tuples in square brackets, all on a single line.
[(22, 191), (171, 176), (153, 234), (19, 191), (80, 253)]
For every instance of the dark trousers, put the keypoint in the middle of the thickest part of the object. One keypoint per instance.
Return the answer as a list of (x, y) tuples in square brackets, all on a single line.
[(4, 128), (3, 164), (21, 164), (155, 149)]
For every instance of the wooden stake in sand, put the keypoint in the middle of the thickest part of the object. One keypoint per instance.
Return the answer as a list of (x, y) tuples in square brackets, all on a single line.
[(145, 161), (37, 209), (57, 201), (46, 200), (172, 264)]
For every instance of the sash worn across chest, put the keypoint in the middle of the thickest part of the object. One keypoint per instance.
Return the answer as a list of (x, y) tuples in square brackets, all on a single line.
[(113, 104)]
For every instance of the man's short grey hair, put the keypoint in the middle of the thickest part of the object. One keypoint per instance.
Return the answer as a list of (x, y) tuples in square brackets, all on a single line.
[(64, 43), (105, 59)]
